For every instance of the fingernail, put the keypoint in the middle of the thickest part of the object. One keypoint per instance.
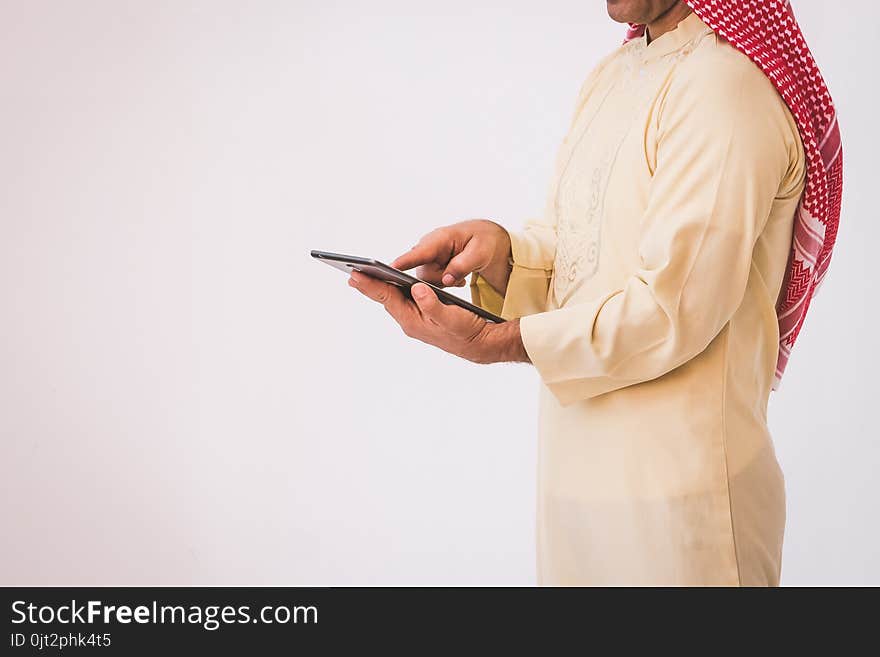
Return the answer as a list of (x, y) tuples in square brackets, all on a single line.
[(419, 291), (448, 279)]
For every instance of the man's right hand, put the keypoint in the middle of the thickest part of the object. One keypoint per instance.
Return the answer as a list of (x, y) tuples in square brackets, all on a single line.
[(445, 256)]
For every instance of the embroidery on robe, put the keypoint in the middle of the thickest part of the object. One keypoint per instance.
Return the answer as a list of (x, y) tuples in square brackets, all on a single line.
[(579, 206)]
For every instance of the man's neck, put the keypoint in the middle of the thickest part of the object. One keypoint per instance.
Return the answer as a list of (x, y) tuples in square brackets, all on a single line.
[(667, 21)]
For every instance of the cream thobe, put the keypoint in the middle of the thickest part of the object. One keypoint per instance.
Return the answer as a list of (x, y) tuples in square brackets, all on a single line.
[(647, 296)]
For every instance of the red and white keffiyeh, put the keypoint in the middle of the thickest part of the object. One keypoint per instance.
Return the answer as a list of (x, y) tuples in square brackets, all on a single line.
[(767, 32)]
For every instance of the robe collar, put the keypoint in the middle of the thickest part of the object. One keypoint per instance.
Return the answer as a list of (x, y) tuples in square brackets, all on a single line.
[(686, 31)]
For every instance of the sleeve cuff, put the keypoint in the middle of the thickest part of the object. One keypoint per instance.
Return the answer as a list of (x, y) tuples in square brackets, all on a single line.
[(526, 252), (537, 333), (554, 343)]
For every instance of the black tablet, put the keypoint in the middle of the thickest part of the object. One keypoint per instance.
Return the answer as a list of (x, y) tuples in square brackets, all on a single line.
[(403, 280)]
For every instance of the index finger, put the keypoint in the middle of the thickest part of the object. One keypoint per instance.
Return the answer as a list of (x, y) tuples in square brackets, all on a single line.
[(420, 254)]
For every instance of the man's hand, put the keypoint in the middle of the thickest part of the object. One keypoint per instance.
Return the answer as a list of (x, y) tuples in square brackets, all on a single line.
[(451, 328), (445, 256)]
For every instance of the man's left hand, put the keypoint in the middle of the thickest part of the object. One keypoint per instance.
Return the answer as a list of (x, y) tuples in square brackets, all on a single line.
[(450, 328)]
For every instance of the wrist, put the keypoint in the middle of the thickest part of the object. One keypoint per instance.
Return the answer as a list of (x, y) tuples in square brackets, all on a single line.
[(497, 272), (504, 343)]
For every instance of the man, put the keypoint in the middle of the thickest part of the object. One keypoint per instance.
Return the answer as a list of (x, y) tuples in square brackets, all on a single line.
[(690, 219)]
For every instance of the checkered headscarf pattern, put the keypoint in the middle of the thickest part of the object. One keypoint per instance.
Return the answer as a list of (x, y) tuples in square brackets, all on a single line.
[(767, 32)]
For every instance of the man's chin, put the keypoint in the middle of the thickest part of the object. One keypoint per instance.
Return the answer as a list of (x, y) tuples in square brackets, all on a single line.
[(617, 10)]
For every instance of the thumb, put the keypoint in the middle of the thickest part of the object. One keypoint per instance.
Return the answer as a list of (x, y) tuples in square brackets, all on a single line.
[(459, 267), (427, 301)]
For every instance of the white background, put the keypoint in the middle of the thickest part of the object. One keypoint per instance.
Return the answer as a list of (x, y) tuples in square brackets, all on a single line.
[(167, 410)]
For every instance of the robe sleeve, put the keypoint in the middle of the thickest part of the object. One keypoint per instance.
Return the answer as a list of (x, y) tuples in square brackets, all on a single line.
[(723, 150)]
